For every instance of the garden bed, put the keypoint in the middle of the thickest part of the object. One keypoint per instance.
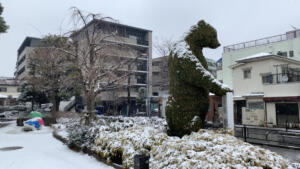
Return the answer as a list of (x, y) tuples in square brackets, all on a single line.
[(119, 139)]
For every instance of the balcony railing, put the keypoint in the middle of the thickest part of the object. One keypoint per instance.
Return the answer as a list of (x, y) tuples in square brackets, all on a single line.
[(263, 41), (281, 78)]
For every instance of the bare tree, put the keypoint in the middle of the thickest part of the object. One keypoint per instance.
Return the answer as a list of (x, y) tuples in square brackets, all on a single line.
[(163, 48), (102, 56)]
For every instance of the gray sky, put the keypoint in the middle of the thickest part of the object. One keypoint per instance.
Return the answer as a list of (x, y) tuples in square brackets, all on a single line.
[(235, 20)]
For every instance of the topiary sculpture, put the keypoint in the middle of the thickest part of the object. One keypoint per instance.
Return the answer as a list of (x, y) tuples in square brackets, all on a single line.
[(190, 82)]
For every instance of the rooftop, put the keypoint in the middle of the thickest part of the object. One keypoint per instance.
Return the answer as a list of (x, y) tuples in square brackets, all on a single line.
[(263, 41), (111, 23), (9, 81), (261, 56), (28, 42)]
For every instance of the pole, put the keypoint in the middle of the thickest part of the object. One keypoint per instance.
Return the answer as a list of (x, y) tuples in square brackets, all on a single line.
[(128, 93), (147, 95)]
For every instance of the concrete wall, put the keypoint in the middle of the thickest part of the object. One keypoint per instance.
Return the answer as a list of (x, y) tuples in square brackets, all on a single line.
[(284, 90), (229, 58), (228, 116)]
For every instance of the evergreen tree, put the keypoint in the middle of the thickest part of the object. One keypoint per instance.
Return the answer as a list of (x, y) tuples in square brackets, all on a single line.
[(3, 26), (190, 82), (29, 94)]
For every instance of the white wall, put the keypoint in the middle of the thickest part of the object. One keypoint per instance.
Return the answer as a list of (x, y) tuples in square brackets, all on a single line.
[(228, 116), (254, 84), (229, 58)]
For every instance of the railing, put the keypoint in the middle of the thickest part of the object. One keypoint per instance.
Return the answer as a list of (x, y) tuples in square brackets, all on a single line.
[(142, 42), (263, 41), (281, 78), (268, 136)]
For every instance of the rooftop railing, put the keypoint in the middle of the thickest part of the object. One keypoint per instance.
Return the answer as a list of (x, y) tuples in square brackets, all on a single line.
[(263, 41)]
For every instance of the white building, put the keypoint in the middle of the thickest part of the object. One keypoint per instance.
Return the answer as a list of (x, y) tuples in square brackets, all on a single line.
[(287, 45), (9, 90), (266, 90)]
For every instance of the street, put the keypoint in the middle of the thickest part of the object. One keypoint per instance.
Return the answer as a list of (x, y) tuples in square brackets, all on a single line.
[(291, 154)]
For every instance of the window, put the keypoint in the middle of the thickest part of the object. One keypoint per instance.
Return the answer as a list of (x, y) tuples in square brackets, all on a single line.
[(267, 79), (247, 73), (255, 105), (291, 53), (284, 54), (3, 89), (155, 93), (155, 63), (155, 73)]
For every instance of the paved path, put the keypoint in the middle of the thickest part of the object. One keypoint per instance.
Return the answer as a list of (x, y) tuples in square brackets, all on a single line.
[(39, 150), (291, 154)]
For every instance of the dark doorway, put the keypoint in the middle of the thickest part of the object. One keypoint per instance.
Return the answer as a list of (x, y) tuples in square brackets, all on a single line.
[(287, 112), (239, 104)]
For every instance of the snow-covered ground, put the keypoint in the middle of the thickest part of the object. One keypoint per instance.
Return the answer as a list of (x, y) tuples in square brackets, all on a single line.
[(40, 151)]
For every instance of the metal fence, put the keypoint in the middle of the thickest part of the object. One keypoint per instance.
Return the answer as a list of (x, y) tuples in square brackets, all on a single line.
[(281, 137), (281, 78), (258, 42), (264, 41)]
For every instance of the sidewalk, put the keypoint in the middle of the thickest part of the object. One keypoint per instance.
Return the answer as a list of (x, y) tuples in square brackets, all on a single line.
[(39, 150)]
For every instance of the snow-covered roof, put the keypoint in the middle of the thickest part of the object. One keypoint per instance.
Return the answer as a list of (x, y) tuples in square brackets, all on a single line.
[(260, 56), (255, 56), (9, 81), (254, 95), (3, 96)]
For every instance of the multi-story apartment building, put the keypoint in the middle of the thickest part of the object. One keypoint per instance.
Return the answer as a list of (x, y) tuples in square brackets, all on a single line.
[(9, 90), (266, 90), (22, 60), (139, 43), (287, 45)]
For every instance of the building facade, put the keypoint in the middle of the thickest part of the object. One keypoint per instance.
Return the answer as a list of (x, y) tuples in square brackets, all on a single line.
[(139, 42), (287, 45), (24, 51), (266, 90), (9, 90)]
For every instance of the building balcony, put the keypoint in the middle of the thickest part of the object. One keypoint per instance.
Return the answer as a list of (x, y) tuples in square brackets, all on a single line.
[(281, 78)]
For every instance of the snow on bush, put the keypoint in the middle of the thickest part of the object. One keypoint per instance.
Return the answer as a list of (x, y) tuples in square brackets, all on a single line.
[(209, 149), (121, 138)]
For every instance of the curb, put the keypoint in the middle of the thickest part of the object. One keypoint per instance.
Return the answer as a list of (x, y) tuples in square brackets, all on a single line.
[(85, 150)]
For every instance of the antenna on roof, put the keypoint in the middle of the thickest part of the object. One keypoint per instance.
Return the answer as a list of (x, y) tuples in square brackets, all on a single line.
[(294, 27)]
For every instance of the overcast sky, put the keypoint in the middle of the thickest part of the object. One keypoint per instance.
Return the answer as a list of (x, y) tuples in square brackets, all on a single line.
[(235, 20)]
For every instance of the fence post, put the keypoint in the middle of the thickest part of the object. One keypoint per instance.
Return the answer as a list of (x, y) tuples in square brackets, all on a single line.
[(141, 161), (244, 133), (286, 126)]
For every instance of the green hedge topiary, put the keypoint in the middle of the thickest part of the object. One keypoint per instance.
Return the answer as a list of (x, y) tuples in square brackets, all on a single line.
[(190, 83)]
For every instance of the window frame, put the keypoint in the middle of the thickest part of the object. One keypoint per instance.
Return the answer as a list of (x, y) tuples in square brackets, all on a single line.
[(247, 69)]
